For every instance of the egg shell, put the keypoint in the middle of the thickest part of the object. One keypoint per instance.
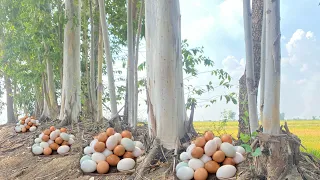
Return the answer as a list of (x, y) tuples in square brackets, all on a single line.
[(63, 130), (37, 150), (50, 141), (210, 148), (184, 156), (136, 152), (27, 120), (185, 173), (97, 157), (52, 128), (228, 149), (37, 140), (47, 132), (44, 144), (33, 121), (128, 154), (72, 136), (218, 142), (208, 135), (205, 158), (47, 151), (226, 171), (88, 166), (63, 149), (112, 142), (57, 131), (195, 163), (219, 156), (226, 138), (40, 135), (88, 150), (23, 129), (64, 136), (118, 136), (211, 166), (58, 140), (102, 167), (181, 164), (99, 146), (126, 134), (103, 137), (197, 152), (127, 144), (85, 157), (107, 152), (110, 131), (189, 149), (93, 143), (54, 146), (54, 135), (17, 129), (126, 164), (238, 158), (71, 141), (200, 142), (33, 128), (200, 174), (113, 160), (36, 144), (240, 150), (119, 150), (138, 144), (228, 161)]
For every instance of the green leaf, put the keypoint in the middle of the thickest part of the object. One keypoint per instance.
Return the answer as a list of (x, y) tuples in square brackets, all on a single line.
[(246, 147), (254, 134), (257, 152), (244, 137)]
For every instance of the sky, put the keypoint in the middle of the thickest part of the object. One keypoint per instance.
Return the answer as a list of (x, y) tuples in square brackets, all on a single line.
[(218, 27)]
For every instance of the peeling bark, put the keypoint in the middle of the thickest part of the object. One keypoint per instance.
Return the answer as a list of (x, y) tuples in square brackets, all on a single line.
[(10, 113), (100, 87)]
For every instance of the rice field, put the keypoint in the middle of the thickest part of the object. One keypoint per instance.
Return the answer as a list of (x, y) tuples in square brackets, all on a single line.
[(307, 130)]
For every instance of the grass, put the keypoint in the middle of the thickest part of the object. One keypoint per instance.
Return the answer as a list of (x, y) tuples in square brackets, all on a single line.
[(307, 130)]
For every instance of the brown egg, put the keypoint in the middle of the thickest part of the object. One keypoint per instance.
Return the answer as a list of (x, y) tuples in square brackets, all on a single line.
[(52, 128), (54, 146), (22, 122), (119, 150), (211, 166), (103, 137), (126, 134), (99, 147), (110, 131), (200, 174), (197, 152), (63, 130), (208, 135), (102, 167), (200, 142), (27, 127), (32, 117), (226, 138), (113, 160), (47, 132), (219, 156), (23, 129), (95, 137), (128, 155), (45, 138), (229, 161), (30, 123), (58, 140), (65, 143), (47, 151)]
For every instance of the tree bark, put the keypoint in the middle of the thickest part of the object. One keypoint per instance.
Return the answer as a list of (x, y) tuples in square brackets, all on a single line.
[(10, 113), (100, 86), (263, 61), (53, 106), (243, 107)]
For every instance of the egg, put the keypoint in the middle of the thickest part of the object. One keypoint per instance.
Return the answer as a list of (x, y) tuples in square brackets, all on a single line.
[(63, 149), (37, 150), (226, 138), (88, 166), (17, 129), (103, 137), (99, 147), (71, 141), (189, 149), (54, 135), (37, 144), (110, 131), (52, 128), (126, 134), (208, 135), (185, 173), (64, 136), (93, 143), (63, 130), (23, 129), (45, 138), (50, 141), (97, 157), (30, 124), (240, 149), (136, 152), (205, 158), (86, 157), (33, 128), (27, 127), (128, 155), (200, 174), (211, 166), (219, 156), (210, 147), (58, 140), (238, 158), (113, 160), (46, 132), (197, 152), (102, 167), (226, 171), (44, 144), (228, 149), (72, 136), (228, 161), (184, 156), (47, 151), (57, 131), (54, 146), (112, 142), (119, 150), (181, 164), (21, 126), (88, 150), (118, 137), (218, 142), (138, 144), (127, 144), (195, 163), (107, 152), (126, 164), (37, 140), (200, 142), (65, 143), (33, 121)]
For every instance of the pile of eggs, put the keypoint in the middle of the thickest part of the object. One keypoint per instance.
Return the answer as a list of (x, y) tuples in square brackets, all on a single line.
[(27, 124), (51, 140), (111, 149), (209, 154)]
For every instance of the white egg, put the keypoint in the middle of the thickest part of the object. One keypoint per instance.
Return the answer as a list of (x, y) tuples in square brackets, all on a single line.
[(210, 148), (240, 149), (86, 157), (37, 150), (50, 141), (17, 129), (205, 158), (195, 163), (136, 152), (238, 158), (18, 124), (185, 173), (72, 136), (54, 135), (44, 144), (33, 128), (71, 141), (97, 157), (64, 136), (189, 149), (36, 144), (218, 141), (228, 149), (184, 156), (63, 149), (37, 140), (126, 164), (118, 137), (93, 143), (57, 131), (181, 164), (40, 136), (139, 144), (88, 166), (88, 150), (127, 144), (107, 152), (226, 171), (22, 126), (27, 120), (33, 121), (38, 123), (112, 142)]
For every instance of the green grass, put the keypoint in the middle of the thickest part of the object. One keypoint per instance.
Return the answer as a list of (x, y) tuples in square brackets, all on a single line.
[(307, 130)]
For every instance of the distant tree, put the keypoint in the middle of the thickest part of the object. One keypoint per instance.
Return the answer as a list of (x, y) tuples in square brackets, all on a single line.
[(228, 115), (282, 115), (314, 117)]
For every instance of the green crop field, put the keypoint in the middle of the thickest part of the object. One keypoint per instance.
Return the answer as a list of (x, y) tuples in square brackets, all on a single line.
[(307, 130)]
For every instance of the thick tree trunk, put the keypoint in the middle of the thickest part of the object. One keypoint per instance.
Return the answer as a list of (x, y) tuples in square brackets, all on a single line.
[(10, 113), (71, 64), (263, 61), (100, 86), (243, 107), (53, 106), (167, 111)]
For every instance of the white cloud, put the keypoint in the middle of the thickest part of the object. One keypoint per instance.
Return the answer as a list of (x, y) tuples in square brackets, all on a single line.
[(304, 68), (301, 81), (234, 67)]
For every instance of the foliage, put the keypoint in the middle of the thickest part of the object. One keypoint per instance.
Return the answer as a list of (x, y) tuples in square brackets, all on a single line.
[(228, 114)]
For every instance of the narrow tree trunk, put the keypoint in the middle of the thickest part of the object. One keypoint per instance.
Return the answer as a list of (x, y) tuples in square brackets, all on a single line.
[(100, 86), (271, 120), (10, 113), (252, 103), (164, 71), (51, 91), (243, 107), (263, 62), (15, 106)]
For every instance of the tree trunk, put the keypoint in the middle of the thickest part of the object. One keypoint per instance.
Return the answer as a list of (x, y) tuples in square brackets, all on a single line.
[(243, 107), (252, 102), (53, 106), (15, 106), (263, 62), (71, 64), (10, 113), (167, 111), (271, 119), (100, 86)]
